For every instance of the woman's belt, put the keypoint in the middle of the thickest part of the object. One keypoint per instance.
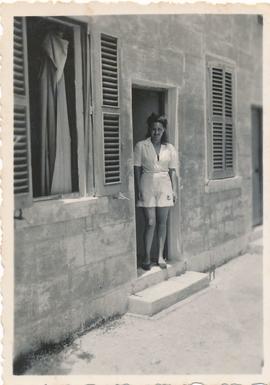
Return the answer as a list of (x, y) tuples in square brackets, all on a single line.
[(161, 173)]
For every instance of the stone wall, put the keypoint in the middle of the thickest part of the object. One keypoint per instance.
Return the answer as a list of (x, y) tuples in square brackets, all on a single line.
[(72, 261)]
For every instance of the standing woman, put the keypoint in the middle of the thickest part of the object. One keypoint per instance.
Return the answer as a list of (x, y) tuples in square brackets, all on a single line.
[(155, 162)]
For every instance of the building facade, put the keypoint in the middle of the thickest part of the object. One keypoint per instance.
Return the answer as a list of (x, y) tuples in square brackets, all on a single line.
[(77, 247)]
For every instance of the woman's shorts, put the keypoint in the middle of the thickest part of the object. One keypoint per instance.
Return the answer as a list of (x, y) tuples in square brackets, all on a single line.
[(156, 190)]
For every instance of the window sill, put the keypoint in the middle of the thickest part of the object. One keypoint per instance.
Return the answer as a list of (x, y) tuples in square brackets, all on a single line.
[(49, 211), (223, 184), (62, 199)]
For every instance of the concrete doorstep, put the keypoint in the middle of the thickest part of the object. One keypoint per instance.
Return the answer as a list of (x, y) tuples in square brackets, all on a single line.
[(256, 233), (167, 293), (256, 246)]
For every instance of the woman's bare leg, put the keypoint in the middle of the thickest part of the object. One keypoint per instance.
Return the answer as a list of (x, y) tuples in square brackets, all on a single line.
[(162, 216), (150, 219)]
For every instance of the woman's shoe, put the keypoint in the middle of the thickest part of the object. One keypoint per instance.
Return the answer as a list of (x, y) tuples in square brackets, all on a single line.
[(162, 265), (146, 266)]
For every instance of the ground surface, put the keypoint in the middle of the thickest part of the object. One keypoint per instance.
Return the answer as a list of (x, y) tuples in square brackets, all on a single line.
[(218, 330)]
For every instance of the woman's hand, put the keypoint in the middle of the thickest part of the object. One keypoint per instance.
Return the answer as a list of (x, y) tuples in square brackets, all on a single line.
[(172, 174), (140, 195), (137, 172), (174, 197)]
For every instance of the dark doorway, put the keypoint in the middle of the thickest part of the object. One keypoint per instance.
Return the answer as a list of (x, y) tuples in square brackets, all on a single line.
[(257, 166), (144, 102)]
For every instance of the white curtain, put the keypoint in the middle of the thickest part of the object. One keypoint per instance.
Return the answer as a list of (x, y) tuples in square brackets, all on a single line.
[(55, 132)]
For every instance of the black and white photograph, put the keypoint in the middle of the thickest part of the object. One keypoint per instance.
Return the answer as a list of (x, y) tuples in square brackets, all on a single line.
[(138, 194)]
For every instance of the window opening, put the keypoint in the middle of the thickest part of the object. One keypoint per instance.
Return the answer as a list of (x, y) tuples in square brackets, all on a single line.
[(52, 107)]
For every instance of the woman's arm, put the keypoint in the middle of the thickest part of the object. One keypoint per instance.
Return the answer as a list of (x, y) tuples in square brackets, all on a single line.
[(172, 173), (138, 173)]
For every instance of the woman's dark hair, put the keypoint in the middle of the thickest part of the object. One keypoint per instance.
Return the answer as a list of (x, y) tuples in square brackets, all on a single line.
[(155, 118)]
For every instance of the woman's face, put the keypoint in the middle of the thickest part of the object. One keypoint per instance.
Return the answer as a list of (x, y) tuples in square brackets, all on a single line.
[(157, 132)]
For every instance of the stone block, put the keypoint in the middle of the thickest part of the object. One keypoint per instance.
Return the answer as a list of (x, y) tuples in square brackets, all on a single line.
[(87, 281), (73, 249), (229, 229), (97, 278), (49, 231), (115, 302), (212, 237), (25, 265), (89, 222), (33, 302), (49, 258), (193, 242), (40, 260), (219, 254), (119, 211), (108, 241), (25, 307), (119, 270), (53, 211)]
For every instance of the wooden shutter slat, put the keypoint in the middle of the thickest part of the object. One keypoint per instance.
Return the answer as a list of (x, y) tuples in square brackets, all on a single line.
[(112, 162), (108, 73), (109, 67), (110, 91), (111, 45), (109, 57), (22, 180), (109, 82), (108, 49), (115, 132)]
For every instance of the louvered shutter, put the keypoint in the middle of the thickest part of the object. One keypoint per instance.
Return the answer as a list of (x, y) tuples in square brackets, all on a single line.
[(22, 179), (109, 63), (221, 128), (111, 134), (110, 110)]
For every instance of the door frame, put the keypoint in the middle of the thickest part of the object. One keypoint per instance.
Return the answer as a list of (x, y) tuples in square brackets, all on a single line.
[(171, 111), (256, 108)]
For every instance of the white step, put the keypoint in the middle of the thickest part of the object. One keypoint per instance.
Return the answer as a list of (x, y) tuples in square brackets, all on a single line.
[(256, 233), (256, 247), (158, 297), (156, 275)]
